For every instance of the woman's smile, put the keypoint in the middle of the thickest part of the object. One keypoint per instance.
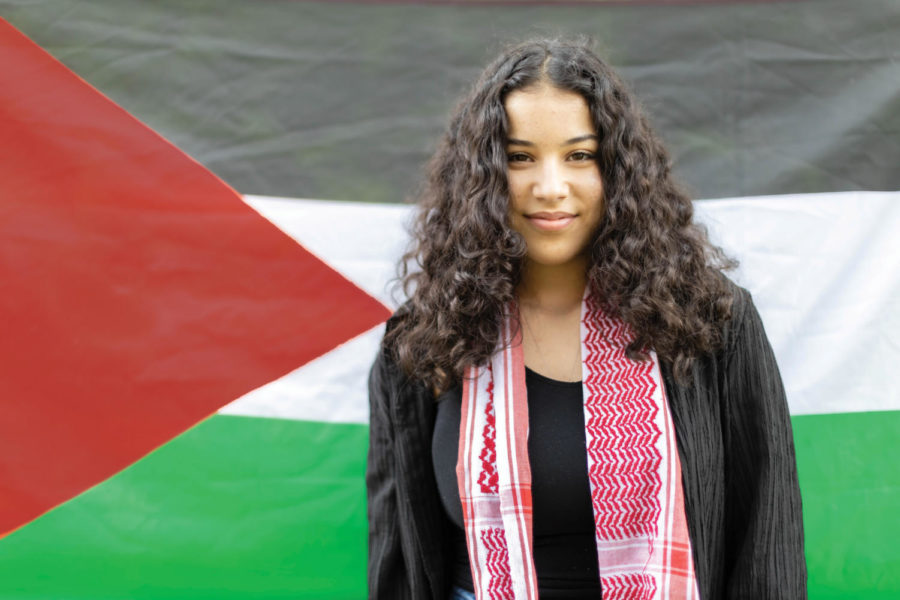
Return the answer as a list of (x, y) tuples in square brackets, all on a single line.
[(551, 221)]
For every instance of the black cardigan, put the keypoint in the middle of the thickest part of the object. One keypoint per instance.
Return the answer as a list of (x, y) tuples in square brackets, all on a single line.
[(733, 430)]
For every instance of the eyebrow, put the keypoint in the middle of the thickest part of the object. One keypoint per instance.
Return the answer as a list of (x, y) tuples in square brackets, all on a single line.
[(574, 140)]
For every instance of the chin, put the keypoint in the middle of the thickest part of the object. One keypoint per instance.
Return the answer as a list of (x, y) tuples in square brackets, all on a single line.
[(554, 260)]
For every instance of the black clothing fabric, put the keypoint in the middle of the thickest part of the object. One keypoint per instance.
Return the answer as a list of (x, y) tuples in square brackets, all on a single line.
[(733, 430), (565, 551)]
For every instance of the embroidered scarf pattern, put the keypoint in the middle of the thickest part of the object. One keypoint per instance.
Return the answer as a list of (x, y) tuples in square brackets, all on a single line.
[(643, 547)]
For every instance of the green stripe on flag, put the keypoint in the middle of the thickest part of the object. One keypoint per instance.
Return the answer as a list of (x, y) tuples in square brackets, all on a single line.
[(235, 508), (268, 508), (850, 481)]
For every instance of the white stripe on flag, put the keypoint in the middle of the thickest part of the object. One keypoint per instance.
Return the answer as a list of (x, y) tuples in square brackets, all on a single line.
[(824, 270)]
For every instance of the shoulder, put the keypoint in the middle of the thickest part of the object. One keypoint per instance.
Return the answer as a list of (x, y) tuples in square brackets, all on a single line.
[(744, 336), (385, 368), (740, 296), (386, 357), (743, 313), (386, 373), (749, 372), (403, 312)]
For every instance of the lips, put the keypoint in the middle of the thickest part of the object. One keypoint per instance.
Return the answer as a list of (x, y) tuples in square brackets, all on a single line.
[(550, 221)]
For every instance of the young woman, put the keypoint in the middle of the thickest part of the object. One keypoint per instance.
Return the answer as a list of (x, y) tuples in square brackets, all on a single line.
[(574, 401)]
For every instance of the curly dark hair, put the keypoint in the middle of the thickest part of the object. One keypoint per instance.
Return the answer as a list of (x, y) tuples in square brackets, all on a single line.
[(649, 263)]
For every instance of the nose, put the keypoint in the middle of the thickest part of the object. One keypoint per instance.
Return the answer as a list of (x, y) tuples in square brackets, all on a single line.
[(551, 182)]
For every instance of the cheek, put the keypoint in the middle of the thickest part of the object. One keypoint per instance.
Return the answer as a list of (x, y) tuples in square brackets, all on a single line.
[(516, 192), (596, 192), (516, 223), (595, 183), (515, 210)]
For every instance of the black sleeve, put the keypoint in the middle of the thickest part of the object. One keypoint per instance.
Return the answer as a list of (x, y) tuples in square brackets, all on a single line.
[(386, 571), (764, 523)]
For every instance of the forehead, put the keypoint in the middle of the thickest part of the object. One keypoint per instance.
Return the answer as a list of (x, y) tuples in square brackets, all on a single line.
[(547, 113)]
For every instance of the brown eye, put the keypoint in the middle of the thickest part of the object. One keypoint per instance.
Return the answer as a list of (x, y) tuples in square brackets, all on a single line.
[(582, 155), (516, 157)]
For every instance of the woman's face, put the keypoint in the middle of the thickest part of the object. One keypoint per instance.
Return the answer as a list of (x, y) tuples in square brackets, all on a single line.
[(556, 193)]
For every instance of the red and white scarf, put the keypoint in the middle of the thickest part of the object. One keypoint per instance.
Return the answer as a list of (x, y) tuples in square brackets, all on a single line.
[(643, 547)]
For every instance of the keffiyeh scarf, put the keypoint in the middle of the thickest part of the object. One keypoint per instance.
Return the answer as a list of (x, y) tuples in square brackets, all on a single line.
[(643, 548)]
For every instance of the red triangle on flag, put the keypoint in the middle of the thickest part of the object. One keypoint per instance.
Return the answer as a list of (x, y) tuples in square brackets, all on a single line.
[(139, 292)]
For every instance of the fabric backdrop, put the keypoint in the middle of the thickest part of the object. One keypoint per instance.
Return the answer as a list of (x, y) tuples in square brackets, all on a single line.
[(201, 207)]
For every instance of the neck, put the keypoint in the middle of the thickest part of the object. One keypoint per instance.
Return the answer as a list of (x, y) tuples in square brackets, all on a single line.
[(556, 289)]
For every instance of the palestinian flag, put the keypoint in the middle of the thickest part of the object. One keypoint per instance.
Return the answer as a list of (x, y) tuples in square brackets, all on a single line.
[(201, 207)]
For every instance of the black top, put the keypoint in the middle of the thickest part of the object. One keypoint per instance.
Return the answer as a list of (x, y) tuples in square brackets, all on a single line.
[(741, 495), (565, 553)]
